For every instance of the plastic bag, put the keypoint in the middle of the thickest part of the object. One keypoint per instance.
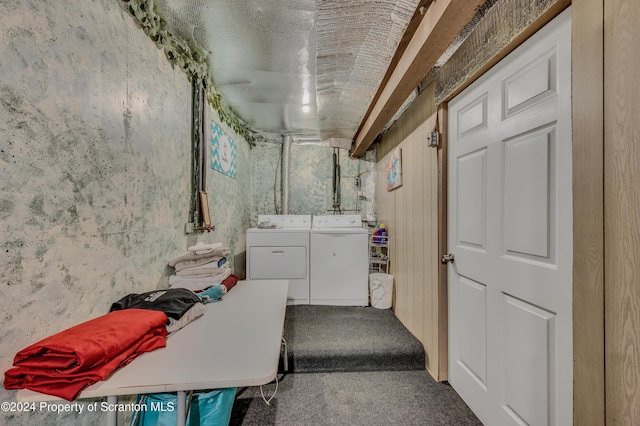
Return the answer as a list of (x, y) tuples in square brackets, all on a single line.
[(212, 408)]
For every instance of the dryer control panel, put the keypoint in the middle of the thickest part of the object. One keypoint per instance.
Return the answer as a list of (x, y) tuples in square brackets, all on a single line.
[(295, 221)]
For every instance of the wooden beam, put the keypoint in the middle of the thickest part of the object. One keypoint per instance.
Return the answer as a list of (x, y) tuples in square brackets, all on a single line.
[(442, 22)]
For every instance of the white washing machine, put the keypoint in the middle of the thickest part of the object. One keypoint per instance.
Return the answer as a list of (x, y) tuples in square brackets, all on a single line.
[(339, 261), (279, 249)]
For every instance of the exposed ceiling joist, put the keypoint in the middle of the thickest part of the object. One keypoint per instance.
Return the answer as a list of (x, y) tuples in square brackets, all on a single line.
[(441, 23)]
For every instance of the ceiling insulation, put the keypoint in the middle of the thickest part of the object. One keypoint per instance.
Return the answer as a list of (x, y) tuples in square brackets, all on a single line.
[(301, 68), (356, 43)]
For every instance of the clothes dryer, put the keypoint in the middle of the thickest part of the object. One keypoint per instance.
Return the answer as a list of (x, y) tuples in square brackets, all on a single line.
[(279, 249), (339, 261)]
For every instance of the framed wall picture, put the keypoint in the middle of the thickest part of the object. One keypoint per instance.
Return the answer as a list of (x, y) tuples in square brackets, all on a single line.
[(394, 169), (223, 151)]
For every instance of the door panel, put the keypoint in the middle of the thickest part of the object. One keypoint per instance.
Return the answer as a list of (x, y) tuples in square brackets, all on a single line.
[(510, 229), (472, 180), (531, 84), (526, 195), (473, 117), (528, 331), (472, 338)]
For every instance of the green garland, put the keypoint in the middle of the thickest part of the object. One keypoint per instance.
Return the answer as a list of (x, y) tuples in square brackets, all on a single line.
[(191, 60)]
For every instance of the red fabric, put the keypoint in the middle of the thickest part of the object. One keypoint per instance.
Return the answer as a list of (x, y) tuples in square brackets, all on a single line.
[(67, 362), (230, 281)]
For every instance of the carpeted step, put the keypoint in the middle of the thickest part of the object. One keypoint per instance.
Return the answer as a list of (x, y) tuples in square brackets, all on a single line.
[(349, 339)]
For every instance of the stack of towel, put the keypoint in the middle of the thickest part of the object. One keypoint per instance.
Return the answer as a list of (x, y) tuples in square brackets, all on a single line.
[(202, 267)]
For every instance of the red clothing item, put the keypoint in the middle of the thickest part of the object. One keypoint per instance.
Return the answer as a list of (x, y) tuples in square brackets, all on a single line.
[(230, 281), (66, 363)]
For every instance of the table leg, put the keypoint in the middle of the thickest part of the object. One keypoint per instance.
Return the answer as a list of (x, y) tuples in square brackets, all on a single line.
[(112, 415), (285, 356), (182, 411)]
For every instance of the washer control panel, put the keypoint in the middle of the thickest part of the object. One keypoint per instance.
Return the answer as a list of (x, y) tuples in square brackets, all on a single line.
[(337, 221)]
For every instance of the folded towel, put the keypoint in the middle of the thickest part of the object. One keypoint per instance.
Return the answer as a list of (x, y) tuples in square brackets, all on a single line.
[(218, 274), (203, 270), (196, 283), (203, 248), (216, 278), (219, 251), (197, 262)]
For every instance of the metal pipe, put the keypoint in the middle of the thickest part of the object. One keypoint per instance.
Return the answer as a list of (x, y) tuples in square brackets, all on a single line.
[(286, 154)]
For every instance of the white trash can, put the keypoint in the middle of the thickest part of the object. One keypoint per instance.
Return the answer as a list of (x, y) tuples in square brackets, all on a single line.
[(381, 290)]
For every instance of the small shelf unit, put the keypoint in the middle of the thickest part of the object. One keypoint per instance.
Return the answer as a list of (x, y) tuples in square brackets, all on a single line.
[(379, 254)]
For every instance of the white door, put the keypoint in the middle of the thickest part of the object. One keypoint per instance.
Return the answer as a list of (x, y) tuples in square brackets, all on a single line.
[(510, 230)]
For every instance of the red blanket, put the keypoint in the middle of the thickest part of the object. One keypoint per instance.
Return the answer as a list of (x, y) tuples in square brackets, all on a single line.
[(67, 362)]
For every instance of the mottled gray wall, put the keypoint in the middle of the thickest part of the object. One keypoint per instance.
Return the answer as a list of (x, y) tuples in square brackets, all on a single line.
[(230, 199), (311, 181), (95, 158)]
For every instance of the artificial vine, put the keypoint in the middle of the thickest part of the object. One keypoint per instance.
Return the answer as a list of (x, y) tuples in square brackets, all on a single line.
[(190, 59)]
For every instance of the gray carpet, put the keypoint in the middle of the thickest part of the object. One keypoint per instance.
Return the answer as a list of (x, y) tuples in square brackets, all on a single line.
[(363, 398), (351, 366), (349, 339)]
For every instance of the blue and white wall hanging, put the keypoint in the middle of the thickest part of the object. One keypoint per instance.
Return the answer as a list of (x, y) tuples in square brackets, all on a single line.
[(223, 152)]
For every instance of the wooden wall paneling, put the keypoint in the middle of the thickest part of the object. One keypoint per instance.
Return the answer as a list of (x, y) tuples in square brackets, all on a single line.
[(420, 227), (422, 218), (408, 160), (422, 212), (412, 221), (417, 214), (430, 203), (622, 204), (401, 224), (588, 207), (386, 212)]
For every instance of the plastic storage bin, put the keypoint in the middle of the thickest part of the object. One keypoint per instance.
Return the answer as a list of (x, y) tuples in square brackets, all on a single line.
[(381, 290)]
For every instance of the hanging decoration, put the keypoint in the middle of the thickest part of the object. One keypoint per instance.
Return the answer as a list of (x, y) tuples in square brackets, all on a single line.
[(223, 152), (394, 169), (189, 59)]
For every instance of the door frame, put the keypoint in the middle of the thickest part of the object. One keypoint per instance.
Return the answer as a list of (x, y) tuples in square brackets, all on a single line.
[(587, 86)]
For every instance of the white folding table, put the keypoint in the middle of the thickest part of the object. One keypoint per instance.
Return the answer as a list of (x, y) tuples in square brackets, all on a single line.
[(236, 343)]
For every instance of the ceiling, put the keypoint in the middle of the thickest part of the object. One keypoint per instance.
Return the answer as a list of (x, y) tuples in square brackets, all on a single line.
[(308, 69)]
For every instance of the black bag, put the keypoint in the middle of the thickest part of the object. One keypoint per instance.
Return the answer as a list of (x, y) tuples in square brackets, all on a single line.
[(174, 302)]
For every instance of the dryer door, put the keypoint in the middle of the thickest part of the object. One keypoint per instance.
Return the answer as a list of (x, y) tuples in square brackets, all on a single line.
[(277, 262), (276, 254)]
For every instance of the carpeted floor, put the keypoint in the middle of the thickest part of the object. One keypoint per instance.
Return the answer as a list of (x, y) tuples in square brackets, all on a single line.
[(351, 366), (349, 339), (363, 398)]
